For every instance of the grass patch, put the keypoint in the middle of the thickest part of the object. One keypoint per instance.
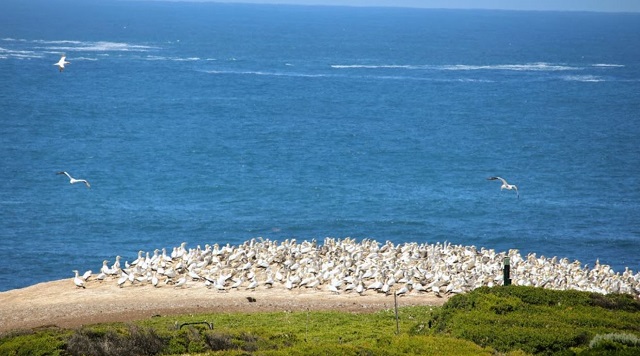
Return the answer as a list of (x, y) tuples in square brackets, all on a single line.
[(502, 320)]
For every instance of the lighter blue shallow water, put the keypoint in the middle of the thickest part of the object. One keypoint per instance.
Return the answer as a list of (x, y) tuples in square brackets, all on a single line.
[(213, 123)]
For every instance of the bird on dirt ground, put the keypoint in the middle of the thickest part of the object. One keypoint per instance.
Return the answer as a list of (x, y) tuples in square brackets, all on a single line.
[(77, 280)]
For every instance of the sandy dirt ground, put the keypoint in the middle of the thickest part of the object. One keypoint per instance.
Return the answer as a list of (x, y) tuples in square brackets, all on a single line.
[(62, 304)]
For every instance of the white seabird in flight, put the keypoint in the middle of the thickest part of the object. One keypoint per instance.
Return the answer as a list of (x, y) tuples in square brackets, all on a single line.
[(506, 185), (62, 62), (74, 181)]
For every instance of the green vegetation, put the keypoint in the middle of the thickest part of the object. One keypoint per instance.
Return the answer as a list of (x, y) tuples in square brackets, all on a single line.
[(502, 320), (538, 321)]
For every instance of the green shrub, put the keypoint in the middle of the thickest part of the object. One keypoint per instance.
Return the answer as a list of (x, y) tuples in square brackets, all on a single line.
[(614, 341), (534, 320), (248, 341), (624, 302), (192, 339), (38, 343), (219, 341), (98, 342)]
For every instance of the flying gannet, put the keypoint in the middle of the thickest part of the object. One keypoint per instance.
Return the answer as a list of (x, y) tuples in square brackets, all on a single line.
[(62, 62), (74, 181), (506, 185)]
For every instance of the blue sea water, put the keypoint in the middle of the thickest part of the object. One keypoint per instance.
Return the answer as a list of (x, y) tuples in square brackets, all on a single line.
[(217, 123)]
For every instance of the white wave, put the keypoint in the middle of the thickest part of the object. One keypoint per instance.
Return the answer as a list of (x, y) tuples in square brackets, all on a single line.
[(275, 74), (5, 50), (74, 45), (365, 77), (376, 66), (57, 42), (423, 78), (176, 59), (472, 80), (100, 46), (583, 78), (84, 59), (540, 66), (606, 65), (189, 59), (10, 53)]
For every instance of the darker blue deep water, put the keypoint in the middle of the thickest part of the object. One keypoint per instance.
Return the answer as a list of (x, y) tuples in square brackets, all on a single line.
[(216, 123)]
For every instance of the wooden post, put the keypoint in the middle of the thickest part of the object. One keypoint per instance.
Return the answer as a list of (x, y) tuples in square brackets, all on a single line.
[(507, 271), (395, 301)]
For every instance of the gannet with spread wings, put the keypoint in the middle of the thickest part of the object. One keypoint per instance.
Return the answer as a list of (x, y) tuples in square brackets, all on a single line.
[(62, 62), (74, 181), (506, 185)]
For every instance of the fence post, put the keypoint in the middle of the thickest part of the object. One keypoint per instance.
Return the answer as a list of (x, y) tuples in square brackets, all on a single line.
[(507, 271), (395, 302)]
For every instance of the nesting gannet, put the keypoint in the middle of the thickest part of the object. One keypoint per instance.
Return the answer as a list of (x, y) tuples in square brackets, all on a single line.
[(404, 290), (62, 62), (74, 181), (506, 185), (436, 290), (252, 285), (333, 289), (181, 282)]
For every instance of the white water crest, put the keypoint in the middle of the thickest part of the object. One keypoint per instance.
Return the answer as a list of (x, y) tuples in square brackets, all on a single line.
[(541, 66), (20, 54), (538, 66), (606, 65), (583, 78), (175, 59), (267, 73)]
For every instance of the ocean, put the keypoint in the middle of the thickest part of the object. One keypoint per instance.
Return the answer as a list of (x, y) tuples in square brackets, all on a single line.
[(218, 123)]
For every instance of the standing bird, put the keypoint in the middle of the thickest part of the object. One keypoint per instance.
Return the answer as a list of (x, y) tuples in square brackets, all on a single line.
[(62, 62), (506, 185), (74, 181), (77, 280)]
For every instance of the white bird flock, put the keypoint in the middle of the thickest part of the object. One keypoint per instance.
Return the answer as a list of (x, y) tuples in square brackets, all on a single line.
[(347, 266)]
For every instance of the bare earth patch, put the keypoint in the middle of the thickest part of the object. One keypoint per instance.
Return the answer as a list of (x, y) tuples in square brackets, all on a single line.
[(61, 304)]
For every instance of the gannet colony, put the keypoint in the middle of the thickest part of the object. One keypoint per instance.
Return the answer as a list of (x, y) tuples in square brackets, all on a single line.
[(365, 267)]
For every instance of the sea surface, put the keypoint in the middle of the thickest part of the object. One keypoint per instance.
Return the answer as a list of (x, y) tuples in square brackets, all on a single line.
[(217, 123)]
